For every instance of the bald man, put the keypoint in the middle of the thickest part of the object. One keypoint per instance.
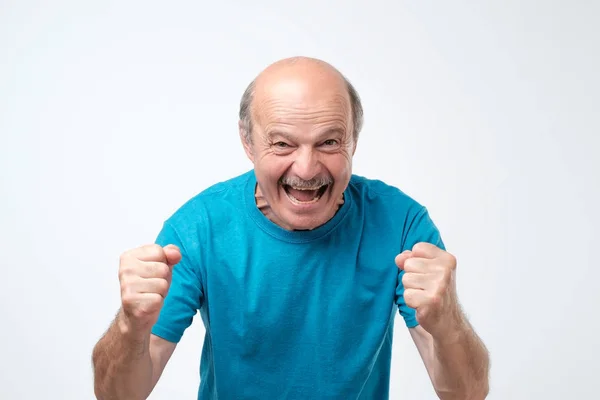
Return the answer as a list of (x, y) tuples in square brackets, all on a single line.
[(297, 267)]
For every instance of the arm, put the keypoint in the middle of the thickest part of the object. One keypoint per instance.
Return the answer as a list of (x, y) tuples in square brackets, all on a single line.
[(457, 366), (456, 359), (126, 365), (128, 359), (131, 356)]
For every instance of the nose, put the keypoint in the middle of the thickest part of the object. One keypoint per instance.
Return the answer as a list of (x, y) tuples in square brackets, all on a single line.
[(306, 165)]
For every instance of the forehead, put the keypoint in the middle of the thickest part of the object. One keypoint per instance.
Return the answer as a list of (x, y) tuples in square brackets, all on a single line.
[(317, 99)]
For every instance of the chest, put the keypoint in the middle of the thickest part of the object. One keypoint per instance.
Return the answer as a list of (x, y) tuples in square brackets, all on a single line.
[(301, 293)]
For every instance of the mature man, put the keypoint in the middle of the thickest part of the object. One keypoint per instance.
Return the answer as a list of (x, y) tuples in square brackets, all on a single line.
[(297, 267)]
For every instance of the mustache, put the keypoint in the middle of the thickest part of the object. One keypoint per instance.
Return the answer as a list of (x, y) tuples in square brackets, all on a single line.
[(301, 183)]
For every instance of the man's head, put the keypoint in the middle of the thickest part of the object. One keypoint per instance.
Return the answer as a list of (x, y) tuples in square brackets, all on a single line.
[(299, 124)]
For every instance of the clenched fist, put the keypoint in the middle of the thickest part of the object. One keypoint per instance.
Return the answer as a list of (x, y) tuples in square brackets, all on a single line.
[(429, 287), (145, 277)]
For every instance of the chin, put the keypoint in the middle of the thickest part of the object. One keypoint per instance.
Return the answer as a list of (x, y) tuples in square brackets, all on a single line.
[(306, 226)]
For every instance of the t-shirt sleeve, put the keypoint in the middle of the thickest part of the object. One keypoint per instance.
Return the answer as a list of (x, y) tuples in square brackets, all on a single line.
[(185, 294), (421, 229)]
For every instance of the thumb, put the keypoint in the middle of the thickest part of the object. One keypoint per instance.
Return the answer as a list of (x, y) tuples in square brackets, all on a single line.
[(402, 257), (173, 254)]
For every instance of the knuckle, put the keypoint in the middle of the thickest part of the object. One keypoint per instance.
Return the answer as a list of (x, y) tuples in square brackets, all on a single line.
[(155, 251), (128, 288), (419, 247), (125, 285), (163, 286), (447, 277), (125, 269), (407, 279), (131, 254), (128, 272), (442, 283), (156, 270), (124, 262), (452, 262), (127, 299), (163, 270)]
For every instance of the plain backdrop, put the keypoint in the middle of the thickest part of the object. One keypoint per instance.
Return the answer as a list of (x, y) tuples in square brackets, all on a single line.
[(114, 113)]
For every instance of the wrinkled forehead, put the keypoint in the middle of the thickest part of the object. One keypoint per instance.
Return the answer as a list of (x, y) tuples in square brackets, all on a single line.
[(300, 98)]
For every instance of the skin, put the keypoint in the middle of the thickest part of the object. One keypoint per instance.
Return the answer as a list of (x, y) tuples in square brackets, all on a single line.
[(302, 134), (302, 130), (456, 359), (128, 360)]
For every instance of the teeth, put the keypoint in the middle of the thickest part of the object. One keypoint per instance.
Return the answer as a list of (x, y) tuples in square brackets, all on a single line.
[(303, 188), (295, 200)]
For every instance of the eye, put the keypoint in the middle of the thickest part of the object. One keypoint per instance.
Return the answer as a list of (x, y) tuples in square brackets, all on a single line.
[(281, 145), (330, 142)]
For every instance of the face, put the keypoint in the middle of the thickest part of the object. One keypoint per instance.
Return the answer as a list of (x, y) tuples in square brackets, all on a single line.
[(302, 147)]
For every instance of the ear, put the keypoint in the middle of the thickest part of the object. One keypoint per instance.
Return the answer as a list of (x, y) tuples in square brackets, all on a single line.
[(244, 135)]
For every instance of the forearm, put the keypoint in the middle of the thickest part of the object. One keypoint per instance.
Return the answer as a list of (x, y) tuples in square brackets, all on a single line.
[(122, 364), (460, 364)]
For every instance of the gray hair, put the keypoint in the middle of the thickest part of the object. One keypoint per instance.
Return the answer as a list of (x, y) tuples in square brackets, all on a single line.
[(245, 113)]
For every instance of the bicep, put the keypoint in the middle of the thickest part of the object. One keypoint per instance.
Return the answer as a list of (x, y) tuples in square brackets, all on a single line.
[(161, 351)]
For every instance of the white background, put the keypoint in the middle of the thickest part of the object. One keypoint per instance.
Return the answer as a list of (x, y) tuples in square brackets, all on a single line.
[(112, 114)]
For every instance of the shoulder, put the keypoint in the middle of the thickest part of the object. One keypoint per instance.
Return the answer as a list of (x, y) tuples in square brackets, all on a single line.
[(223, 197), (378, 192), (389, 208)]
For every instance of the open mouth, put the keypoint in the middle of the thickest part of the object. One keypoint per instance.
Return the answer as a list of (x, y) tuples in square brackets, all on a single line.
[(304, 195)]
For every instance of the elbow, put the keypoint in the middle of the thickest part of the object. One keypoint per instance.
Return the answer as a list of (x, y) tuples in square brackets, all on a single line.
[(485, 391), (482, 389), (481, 392), (99, 390), (97, 369), (481, 395), (99, 395)]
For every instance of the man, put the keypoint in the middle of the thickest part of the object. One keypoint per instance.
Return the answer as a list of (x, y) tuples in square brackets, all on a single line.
[(297, 267)]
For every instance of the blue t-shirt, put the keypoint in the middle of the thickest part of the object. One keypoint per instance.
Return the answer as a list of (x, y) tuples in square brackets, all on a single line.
[(292, 314)]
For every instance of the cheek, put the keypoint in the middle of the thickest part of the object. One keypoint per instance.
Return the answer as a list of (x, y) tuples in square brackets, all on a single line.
[(339, 165), (272, 168)]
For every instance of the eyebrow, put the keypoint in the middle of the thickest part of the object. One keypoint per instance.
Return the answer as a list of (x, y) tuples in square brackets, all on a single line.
[(285, 135), (337, 132), (333, 132)]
